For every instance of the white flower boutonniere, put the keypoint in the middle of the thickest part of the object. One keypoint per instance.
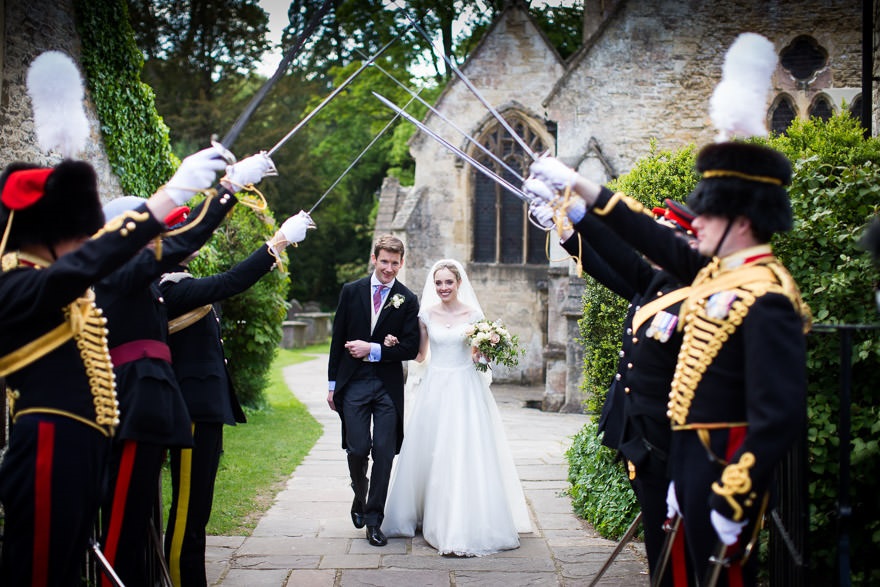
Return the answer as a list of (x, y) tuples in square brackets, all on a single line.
[(395, 301)]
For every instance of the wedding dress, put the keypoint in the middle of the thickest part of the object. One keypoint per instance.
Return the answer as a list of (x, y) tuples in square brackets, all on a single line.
[(455, 477)]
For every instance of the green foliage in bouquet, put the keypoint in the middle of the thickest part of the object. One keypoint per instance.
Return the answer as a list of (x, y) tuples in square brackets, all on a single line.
[(495, 342)]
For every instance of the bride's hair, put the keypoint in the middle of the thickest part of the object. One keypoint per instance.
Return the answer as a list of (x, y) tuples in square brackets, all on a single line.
[(450, 266)]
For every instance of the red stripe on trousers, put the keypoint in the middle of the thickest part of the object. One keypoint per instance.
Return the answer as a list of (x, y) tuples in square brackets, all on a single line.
[(120, 496), (43, 502), (735, 438), (679, 564)]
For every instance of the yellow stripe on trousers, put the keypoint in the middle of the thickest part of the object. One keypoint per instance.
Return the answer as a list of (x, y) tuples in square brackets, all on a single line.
[(184, 484)]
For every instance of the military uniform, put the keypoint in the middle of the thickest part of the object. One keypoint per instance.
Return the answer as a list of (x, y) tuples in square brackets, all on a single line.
[(737, 399), (154, 414), (61, 398), (634, 414), (200, 367)]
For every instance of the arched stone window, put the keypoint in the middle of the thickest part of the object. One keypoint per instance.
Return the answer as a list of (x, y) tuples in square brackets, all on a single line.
[(501, 230), (856, 107), (821, 108), (782, 112), (803, 58)]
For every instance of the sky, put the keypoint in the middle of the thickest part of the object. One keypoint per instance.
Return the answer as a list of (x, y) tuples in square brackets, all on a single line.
[(277, 11)]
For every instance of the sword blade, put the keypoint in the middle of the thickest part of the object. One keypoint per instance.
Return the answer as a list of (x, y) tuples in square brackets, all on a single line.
[(288, 58), (472, 140), (716, 562), (666, 552), (476, 164), (471, 87), (358, 158), (624, 540), (333, 94)]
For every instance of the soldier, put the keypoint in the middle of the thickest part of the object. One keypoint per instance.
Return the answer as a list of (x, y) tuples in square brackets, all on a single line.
[(53, 342), (200, 367), (153, 413), (633, 419), (737, 401)]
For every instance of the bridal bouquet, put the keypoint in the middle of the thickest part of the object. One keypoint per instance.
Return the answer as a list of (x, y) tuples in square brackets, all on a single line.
[(495, 342)]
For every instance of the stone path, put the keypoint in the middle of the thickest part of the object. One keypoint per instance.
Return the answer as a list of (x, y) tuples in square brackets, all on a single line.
[(306, 538)]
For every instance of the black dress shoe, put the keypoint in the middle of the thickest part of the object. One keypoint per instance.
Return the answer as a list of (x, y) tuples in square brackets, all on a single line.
[(357, 516), (375, 536)]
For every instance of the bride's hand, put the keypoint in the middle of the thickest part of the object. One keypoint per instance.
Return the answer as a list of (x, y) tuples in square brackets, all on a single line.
[(477, 356), (390, 340)]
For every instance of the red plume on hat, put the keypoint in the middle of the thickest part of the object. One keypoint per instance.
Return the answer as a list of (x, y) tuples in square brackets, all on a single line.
[(676, 213)]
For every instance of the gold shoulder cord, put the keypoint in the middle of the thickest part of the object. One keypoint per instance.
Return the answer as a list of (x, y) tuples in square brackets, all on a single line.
[(188, 319), (85, 323), (563, 223)]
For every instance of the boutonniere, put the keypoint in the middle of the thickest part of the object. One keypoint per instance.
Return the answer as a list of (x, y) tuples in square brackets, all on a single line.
[(395, 301)]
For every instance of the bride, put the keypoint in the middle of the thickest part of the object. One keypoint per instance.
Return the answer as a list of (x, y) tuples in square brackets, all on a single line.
[(455, 477)]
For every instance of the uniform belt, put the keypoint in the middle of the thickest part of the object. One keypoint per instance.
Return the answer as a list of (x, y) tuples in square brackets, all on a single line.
[(140, 349)]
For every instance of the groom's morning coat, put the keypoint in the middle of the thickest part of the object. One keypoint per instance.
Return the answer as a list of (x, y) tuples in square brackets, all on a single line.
[(352, 322)]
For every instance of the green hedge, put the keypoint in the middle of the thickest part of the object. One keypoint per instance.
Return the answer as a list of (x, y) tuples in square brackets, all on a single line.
[(834, 192)]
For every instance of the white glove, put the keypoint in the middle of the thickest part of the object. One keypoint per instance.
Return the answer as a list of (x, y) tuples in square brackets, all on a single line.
[(250, 171), (196, 173), (672, 509), (553, 172), (294, 228), (538, 191), (727, 530), (542, 213)]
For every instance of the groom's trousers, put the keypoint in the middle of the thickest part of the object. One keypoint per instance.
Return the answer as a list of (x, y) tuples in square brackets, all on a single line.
[(366, 400)]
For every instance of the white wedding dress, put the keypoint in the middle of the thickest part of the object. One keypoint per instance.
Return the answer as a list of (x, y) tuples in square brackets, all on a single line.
[(455, 477)]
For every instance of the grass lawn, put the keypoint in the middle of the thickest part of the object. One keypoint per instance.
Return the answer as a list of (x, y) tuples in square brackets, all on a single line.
[(259, 457)]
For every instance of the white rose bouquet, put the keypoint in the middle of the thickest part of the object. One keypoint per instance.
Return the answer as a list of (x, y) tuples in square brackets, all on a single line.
[(494, 343)]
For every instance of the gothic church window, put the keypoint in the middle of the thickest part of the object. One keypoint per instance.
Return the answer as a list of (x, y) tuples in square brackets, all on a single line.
[(781, 114), (501, 230), (821, 108), (803, 58)]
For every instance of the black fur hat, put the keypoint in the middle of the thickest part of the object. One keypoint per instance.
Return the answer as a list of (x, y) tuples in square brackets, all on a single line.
[(742, 179), (67, 206)]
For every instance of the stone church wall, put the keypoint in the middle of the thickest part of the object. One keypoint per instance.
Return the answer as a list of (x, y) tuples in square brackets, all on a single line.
[(29, 29)]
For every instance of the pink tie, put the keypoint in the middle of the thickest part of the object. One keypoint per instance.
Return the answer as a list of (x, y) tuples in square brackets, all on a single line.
[(377, 298)]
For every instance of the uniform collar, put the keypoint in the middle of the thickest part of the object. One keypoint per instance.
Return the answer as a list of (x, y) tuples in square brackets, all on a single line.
[(745, 256)]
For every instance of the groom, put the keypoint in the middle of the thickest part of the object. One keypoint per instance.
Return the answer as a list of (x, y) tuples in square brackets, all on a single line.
[(366, 378)]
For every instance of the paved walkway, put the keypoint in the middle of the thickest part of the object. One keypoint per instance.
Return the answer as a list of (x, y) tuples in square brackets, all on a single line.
[(306, 538)]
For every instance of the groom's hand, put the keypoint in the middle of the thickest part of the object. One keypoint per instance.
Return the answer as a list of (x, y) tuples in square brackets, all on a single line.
[(358, 348), (330, 401)]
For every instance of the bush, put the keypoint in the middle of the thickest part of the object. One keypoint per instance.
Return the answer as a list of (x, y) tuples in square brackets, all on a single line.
[(835, 191), (251, 321)]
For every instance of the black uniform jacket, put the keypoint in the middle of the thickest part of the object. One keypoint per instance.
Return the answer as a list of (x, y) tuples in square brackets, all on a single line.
[(757, 375), (32, 302), (152, 406), (637, 401), (197, 350), (352, 322)]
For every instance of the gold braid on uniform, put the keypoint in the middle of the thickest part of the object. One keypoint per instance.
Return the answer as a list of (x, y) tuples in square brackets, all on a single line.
[(736, 481), (83, 322), (704, 335), (629, 202), (90, 334)]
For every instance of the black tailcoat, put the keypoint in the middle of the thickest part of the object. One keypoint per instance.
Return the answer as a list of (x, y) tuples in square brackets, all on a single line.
[(352, 322)]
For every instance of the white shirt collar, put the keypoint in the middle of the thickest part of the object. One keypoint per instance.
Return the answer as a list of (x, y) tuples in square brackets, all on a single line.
[(374, 281)]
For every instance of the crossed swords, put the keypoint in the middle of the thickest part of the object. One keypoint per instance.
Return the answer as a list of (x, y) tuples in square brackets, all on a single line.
[(222, 145)]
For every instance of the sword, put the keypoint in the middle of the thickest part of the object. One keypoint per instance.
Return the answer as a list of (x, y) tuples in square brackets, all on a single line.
[(477, 165), (630, 532), (358, 158), (105, 564), (289, 56), (333, 94), (436, 112), (665, 553), (471, 87), (717, 561)]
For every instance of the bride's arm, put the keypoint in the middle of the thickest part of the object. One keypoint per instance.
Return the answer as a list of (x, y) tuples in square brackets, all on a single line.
[(423, 342)]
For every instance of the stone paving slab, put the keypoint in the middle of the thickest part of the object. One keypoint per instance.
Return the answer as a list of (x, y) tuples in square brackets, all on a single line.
[(306, 538)]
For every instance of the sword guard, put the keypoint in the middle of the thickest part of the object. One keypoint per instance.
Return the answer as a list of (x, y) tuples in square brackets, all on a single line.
[(224, 152)]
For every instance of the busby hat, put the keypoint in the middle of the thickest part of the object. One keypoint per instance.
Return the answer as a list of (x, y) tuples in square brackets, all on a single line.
[(45, 206), (744, 179)]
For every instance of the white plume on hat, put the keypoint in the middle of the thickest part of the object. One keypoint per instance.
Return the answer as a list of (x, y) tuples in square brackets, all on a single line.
[(56, 91), (739, 104)]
